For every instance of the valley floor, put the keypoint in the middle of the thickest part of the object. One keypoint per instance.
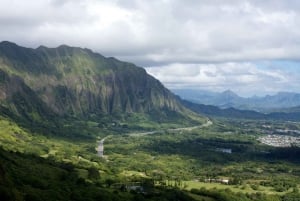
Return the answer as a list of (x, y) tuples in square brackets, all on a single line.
[(188, 163)]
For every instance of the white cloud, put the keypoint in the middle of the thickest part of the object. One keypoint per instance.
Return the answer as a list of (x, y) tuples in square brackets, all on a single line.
[(159, 31), (198, 43), (244, 78)]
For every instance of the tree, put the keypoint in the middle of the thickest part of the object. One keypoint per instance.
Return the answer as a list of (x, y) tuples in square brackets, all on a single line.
[(93, 173)]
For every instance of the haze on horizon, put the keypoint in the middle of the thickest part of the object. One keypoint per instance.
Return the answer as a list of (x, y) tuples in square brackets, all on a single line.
[(249, 46)]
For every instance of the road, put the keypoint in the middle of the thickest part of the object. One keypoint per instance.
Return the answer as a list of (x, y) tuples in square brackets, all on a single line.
[(100, 148), (208, 123)]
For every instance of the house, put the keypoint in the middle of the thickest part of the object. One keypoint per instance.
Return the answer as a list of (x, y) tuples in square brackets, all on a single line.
[(221, 181), (223, 150)]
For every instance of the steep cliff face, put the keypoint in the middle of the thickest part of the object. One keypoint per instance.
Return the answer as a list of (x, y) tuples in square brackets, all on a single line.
[(77, 82), (19, 101)]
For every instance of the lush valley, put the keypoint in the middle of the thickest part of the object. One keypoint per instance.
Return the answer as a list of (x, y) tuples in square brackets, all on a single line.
[(192, 161), (57, 104)]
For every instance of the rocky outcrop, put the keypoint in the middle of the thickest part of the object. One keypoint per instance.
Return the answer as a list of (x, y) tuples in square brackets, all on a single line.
[(77, 82)]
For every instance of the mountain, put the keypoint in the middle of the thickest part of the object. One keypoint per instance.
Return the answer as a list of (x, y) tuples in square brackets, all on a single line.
[(282, 100), (227, 99), (48, 84), (214, 111)]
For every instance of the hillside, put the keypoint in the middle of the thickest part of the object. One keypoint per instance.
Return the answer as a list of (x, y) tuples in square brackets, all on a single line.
[(56, 103), (46, 84)]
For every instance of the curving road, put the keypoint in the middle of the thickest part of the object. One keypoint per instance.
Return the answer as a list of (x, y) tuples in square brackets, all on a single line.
[(100, 148), (208, 123)]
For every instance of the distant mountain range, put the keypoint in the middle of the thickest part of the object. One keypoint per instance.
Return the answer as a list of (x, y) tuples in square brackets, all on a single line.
[(281, 102), (214, 111)]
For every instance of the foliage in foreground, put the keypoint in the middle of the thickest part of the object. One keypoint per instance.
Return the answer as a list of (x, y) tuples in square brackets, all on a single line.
[(30, 178)]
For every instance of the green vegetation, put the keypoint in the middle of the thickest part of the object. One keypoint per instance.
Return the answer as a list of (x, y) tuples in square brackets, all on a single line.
[(31, 178), (179, 159), (58, 105), (53, 84)]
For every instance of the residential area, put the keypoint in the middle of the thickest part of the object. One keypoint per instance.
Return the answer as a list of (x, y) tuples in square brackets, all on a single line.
[(280, 140)]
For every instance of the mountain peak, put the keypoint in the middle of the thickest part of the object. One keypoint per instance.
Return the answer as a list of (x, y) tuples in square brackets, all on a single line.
[(8, 47), (229, 93), (65, 50), (7, 44), (285, 93)]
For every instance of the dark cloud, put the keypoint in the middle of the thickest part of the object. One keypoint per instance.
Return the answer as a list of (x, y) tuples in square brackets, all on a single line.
[(161, 32)]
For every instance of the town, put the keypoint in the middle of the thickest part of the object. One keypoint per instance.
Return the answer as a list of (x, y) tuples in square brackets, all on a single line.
[(280, 140)]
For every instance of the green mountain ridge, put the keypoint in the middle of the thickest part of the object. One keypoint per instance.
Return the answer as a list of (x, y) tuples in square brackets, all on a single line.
[(47, 83)]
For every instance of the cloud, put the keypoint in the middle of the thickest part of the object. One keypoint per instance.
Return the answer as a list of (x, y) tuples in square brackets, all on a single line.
[(159, 31), (197, 43), (245, 78)]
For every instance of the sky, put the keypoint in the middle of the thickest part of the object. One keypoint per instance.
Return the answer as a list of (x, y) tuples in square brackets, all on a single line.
[(249, 46)]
